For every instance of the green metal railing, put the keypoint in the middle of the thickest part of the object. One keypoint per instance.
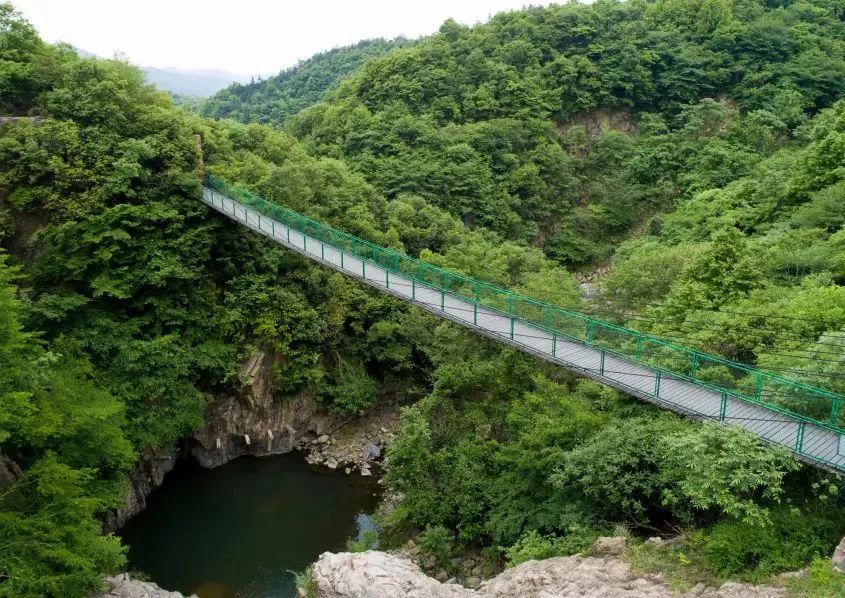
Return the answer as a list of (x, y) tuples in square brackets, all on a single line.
[(784, 395)]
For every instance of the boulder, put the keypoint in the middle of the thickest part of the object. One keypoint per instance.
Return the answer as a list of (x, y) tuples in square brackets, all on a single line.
[(609, 546), (655, 542), (375, 574), (124, 586), (838, 559), (371, 451)]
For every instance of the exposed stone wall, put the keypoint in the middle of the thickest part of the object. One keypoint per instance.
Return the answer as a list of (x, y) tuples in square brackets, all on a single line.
[(144, 477), (255, 422), (9, 470)]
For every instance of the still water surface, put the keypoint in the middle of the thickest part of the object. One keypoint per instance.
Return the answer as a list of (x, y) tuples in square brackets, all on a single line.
[(238, 530)]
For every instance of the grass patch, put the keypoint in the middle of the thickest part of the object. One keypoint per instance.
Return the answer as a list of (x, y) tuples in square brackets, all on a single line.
[(305, 582), (681, 565), (820, 582)]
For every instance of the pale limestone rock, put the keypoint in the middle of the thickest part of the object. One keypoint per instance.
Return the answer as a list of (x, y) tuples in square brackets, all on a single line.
[(606, 546), (572, 576), (123, 586), (838, 560), (655, 542), (376, 574)]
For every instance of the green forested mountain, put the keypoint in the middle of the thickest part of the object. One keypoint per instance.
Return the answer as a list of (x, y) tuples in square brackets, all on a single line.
[(695, 146), (274, 99)]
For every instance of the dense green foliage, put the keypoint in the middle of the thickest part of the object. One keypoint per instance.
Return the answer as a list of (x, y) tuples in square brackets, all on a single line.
[(569, 126), (273, 100), (697, 142)]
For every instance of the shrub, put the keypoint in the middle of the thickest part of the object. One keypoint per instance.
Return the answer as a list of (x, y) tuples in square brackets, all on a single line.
[(732, 548), (534, 546), (437, 542)]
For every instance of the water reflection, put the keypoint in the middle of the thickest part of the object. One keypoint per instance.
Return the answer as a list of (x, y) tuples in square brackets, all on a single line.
[(239, 530)]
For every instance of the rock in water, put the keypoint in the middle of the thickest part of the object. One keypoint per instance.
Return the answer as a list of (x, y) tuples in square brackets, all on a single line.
[(123, 586), (371, 451)]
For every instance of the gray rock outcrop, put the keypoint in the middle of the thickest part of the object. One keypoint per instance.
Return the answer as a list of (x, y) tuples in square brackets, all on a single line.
[(145, 476), (256, 422), (376, 574), (838, 559), (9, 470), (124, 586)]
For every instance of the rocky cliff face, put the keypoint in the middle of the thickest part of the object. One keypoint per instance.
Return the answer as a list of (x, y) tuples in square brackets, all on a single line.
[(144, 477), (381, 575), (9, 470), (255, 422)]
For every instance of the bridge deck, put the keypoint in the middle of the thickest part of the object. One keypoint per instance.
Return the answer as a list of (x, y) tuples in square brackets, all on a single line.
[(812, 442)]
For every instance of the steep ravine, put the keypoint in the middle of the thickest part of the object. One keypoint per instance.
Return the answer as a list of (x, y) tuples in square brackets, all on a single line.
[(255, 422)]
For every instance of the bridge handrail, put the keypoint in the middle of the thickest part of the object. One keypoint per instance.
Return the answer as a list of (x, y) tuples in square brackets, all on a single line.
[(813, 398)]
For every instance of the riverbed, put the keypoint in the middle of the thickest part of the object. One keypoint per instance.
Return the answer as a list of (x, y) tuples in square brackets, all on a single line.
[(240, 530)]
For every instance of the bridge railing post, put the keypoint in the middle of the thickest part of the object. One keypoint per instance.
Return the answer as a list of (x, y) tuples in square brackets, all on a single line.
[(554, 344), (758, 386), (657, 385), (799, 438), (693, 366)]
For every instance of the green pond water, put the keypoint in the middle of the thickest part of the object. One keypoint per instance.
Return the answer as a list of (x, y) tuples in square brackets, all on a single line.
[(240, 529)]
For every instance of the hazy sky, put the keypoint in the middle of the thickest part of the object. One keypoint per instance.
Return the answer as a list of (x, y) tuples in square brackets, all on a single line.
[(241, 36)]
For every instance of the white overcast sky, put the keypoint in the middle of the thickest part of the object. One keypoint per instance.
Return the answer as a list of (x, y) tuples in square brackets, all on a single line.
[(241, 36)]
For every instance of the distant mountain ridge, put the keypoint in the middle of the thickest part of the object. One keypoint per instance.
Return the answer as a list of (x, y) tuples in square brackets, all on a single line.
[(193, 82), (187, 82), (274, 99)]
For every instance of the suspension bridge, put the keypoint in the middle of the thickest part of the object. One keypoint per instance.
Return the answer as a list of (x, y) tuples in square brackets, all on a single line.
[(807, 420)]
